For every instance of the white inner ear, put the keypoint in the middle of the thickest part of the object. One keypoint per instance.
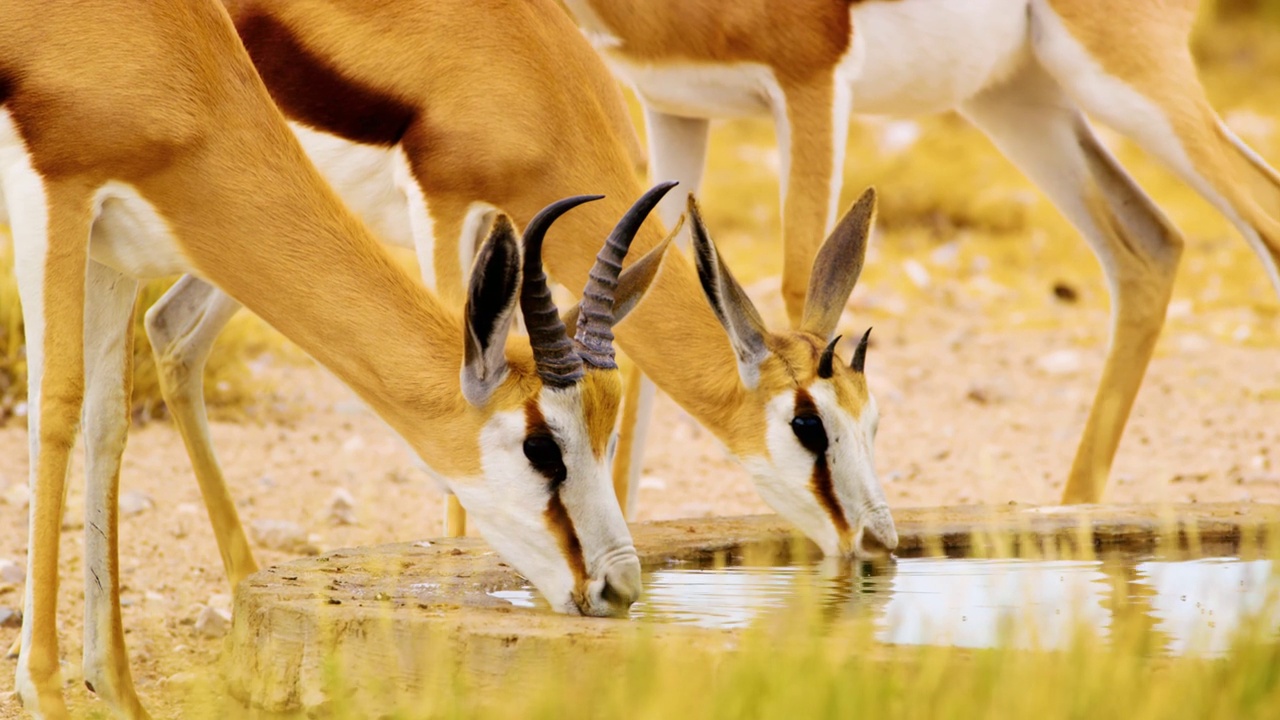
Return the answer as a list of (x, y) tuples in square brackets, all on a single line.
[(748, 348), (480, 379), (749, 367)]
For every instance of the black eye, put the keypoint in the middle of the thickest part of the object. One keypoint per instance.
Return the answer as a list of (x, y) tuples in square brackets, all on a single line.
[(544, 455), (810, 432)]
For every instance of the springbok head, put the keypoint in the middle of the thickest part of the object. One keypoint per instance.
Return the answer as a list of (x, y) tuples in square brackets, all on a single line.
[(811, 455), (544, 498)]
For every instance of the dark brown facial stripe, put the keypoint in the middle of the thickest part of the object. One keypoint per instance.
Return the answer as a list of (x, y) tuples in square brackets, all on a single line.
[(561, 525), (534, 422), (556, 515), (311, 91), (805, 404), (826, 494), (820, 483)]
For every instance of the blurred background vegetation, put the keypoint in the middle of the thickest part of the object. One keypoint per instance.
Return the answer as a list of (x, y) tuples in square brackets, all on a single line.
[(956, 220)]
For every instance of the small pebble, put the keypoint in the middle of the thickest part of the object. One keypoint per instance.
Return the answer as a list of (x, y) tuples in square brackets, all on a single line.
[(341, 509), (10, 617), (213, 622), (11, 572), (1060, 363), (18, 495), (283, 536), (134, 502)]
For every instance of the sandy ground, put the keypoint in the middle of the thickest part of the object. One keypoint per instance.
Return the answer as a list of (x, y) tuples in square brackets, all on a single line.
[(971, 413), (983, 376)]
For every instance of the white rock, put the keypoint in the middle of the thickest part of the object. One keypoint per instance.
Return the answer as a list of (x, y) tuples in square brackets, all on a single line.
[(188, 509), (134, 502), (1180, 309), (652, 482), (1060, 362), (354, 444), (1193, 343), (11, 572), (916, 273), (341, 509), (18, 495), (282, 536), (220, 601), (213, 622)]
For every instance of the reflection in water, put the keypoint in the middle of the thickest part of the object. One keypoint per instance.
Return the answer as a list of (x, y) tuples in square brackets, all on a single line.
[(1199, 604), (980, 603), (1194, 605)]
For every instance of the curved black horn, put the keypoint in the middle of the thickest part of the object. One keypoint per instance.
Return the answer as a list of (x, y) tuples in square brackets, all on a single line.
[(557, 363), (860, 355), (826, 367), (594, 339)]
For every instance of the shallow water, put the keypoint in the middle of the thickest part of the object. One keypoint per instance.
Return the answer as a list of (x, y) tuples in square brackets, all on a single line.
[(1193, 605)]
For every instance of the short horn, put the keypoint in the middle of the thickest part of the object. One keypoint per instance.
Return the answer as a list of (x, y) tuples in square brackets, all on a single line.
[(557, 363), (594, 338), (860, 355), (826, 365)]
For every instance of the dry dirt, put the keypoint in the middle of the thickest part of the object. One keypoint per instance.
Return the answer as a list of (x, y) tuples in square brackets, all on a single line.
[(971, 413)]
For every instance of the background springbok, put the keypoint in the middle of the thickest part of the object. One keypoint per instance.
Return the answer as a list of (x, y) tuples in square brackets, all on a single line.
[(1025, 72), (426, 125), (136, 141)]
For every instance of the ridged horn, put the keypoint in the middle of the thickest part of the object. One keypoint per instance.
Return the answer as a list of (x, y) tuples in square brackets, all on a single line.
[(557, 362), (826, 365), (860, 355), (594, 338)]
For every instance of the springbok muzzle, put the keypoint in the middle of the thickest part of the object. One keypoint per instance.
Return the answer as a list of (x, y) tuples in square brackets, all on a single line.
[(876, 535), (615, 587)]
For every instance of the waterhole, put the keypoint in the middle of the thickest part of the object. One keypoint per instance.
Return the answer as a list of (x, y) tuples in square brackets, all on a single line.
[(1191, 605)]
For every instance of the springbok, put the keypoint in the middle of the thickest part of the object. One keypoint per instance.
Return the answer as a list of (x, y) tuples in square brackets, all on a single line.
[(136, 141), (1024, 71), (426, 125)]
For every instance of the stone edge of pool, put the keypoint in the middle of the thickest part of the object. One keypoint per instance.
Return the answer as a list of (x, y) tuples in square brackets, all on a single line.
[(384, 610)]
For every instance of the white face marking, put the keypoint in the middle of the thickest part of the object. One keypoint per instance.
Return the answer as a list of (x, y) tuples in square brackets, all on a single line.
[(785, 478), (509, 504)]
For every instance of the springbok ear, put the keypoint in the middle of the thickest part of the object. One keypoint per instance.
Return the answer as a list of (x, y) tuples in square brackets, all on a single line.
[(837, 266), (729, 301), (492, 295), (633, 283)]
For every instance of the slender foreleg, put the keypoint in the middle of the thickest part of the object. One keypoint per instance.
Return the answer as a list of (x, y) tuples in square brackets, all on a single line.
[(50, 223)]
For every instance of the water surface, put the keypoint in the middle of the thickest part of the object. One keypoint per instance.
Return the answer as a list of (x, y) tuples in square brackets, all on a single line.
[(1192, 605)]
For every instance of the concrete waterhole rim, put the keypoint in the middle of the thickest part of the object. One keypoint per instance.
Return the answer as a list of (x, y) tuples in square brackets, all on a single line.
[(381, 608)]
